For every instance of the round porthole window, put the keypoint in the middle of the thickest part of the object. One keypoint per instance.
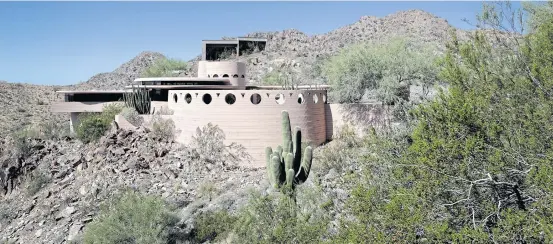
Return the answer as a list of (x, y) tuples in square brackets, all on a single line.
[(279, 98), (301, 100), (188, 98), (207, 98), (255, 98), (175, 98), (230, 98)]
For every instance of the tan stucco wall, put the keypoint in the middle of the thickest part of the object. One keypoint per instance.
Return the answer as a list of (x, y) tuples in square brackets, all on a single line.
[(207, 69), (256, 126), (361, 116)]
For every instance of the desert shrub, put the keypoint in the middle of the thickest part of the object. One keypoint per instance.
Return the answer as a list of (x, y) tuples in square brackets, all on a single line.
[(164, 111), (163, 129), (384, 69), (38, 179), (213, 226), (53, 130), (208, 190), (344, 151), (471, 171), (131, 218), (166, 67), (284, 77), (208, 145), (227, 54), (109, 111), (92, 126), (131, 115), (279, 219), (21, 141)]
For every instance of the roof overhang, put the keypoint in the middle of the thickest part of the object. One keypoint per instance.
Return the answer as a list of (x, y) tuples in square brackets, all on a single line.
[(94, 92), (187, 87), (177, 79), (252, 39), (230, 42)]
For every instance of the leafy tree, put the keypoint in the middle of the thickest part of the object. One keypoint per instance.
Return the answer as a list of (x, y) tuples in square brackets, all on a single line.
[(384, 68), (477, 166), (92, 126)]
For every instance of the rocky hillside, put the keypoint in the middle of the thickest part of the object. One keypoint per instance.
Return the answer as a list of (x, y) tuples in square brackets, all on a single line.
[(300, 52), (122, 76), (27, 104), (49, 196)]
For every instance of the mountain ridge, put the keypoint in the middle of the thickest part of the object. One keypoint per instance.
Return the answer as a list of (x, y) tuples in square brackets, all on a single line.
[(289, 48)]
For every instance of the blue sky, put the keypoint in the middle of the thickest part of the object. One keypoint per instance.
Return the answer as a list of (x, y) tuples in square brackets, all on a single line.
[(60, 43)]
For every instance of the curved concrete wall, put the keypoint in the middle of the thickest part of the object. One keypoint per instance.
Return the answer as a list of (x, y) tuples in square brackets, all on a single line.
[(234, 71), (254, 119)]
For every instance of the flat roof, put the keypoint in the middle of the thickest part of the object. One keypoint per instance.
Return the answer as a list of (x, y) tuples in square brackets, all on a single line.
[(252, 39), (300, 87), (176, 79), (234, 42), (94, 92), (238, 39), (188, 87)]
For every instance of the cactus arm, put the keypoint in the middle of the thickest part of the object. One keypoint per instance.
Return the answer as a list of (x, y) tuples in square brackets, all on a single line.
[(307, 159), (276, 172), (286, 132), (268, 153), (288, 161), (297, 149), (279, 150), (290, 179), (305, 168), (139, 99)]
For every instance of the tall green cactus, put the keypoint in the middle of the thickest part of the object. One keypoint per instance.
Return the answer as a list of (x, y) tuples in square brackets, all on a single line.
[(138, 99), (285, 165)]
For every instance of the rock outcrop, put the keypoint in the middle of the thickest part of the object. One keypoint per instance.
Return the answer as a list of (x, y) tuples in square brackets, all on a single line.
[(53, 192)]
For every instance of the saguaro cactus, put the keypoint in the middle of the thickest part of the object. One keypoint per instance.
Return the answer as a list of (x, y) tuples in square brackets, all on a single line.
[(285, 165), (138, 99)]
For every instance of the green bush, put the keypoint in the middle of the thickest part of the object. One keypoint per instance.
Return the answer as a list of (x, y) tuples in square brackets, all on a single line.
[(131, 218), (131, 115), (213, 226), (163, 129), (385, 69), (275, 218), (344, 150), (53, 130), (280, 219), (476, 168), (284, 77), (207, 189), (92, 126), (165, 67), (21, 142)]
